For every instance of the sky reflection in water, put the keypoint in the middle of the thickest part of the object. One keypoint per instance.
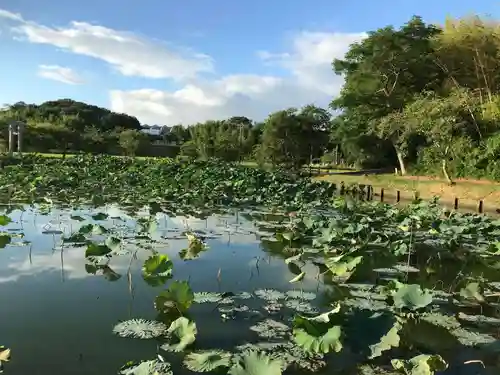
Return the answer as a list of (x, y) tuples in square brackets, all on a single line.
[(58, 318)]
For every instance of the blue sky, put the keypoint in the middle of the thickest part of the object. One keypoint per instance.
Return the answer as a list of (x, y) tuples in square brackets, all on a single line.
[(186, 61)]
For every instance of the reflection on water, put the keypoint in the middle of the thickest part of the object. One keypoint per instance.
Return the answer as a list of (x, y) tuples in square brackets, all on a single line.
[(57, 316)]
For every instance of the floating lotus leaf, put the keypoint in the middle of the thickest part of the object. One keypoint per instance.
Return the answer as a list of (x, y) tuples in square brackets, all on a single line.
[(152, 367), (4, 357), (472, 291), (4, 220), (411, 297), (157, 269), (207, 361), (420, 365), (254, 363), (178, 295), (207, 297), (301, 306), (140, 328), (270, 328), (343, 265), (5, 239), (298, 294), (318, 334), (182, 333), (269, 294)]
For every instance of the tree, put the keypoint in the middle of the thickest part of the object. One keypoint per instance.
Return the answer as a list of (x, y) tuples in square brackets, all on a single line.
[(383, 73), (468, 51), (292, 138), (130, 141), (444, 120)]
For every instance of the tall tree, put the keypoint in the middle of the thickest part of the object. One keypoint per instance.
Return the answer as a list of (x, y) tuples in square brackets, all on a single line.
[(384, 72)]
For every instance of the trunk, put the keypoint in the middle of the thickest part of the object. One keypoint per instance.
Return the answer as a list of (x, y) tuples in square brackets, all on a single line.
[(445, 172), (401, 161)]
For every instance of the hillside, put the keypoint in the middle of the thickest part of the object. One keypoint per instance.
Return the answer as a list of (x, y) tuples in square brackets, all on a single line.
[(71, 114)]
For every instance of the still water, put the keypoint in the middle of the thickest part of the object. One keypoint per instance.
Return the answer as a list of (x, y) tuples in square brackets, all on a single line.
[(57, 318)]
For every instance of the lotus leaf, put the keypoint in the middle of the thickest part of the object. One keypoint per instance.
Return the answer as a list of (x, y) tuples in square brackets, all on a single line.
[(207, 361), (254, 363), (182, 332)]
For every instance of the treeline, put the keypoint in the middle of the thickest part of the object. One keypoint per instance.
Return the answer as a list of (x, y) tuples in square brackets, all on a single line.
[(422, 98), (68, 126)]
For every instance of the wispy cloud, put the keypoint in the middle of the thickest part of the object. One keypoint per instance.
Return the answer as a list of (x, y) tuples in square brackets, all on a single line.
[(60, 74), (307, 60)]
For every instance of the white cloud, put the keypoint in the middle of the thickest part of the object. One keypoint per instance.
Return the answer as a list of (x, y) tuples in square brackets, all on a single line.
[(308, 63), (311, 80), (130, 54), (60, 74), (10, 15)]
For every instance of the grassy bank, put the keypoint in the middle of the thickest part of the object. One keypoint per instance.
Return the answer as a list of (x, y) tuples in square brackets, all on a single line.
[(469, 192)]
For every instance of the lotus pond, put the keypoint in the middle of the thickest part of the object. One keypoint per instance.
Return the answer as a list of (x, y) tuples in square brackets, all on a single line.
[(368, 289), (322, 285)]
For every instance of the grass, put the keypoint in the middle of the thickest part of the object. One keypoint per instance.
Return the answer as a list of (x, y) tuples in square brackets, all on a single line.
[(469, 192)]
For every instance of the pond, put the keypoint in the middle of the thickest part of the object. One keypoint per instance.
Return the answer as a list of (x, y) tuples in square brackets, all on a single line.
[(57, 316), (72, 281)]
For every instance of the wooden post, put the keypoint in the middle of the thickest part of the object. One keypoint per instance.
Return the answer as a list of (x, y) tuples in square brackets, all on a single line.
[(456, 203), (11, 139), (20, 129), (382, 194), (398, 196), (480, 207)]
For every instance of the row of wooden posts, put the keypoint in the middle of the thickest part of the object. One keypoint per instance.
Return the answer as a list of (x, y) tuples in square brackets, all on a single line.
[(16, 128), (368, 195)]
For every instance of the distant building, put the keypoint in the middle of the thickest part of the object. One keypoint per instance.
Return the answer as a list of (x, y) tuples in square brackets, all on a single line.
[(153, 129)]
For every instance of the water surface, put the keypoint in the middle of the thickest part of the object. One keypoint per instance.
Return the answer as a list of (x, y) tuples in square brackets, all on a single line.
[(58, 318)]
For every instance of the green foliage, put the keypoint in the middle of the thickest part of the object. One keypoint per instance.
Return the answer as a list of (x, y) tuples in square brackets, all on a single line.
[(254, 363), (411, 297), (182, 333), (157, 269), (318, 334), (207, 361), (4, 356), (140, 328), (178, 295), (151, 367), (425, 91), (423, 364), (210, 183), (131, 141), (293, 138)]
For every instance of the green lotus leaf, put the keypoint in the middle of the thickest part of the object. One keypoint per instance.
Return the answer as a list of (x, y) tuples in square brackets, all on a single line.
[(318, 334), (4, 220), (182, 332), (97, 250), (5, 239), (157, 269), (472, 291), (207, 361), (151, 367), (423, 364), (178, 295), (254, 363), (343, 265), (140, 328), (411, 297), (207, 297)]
